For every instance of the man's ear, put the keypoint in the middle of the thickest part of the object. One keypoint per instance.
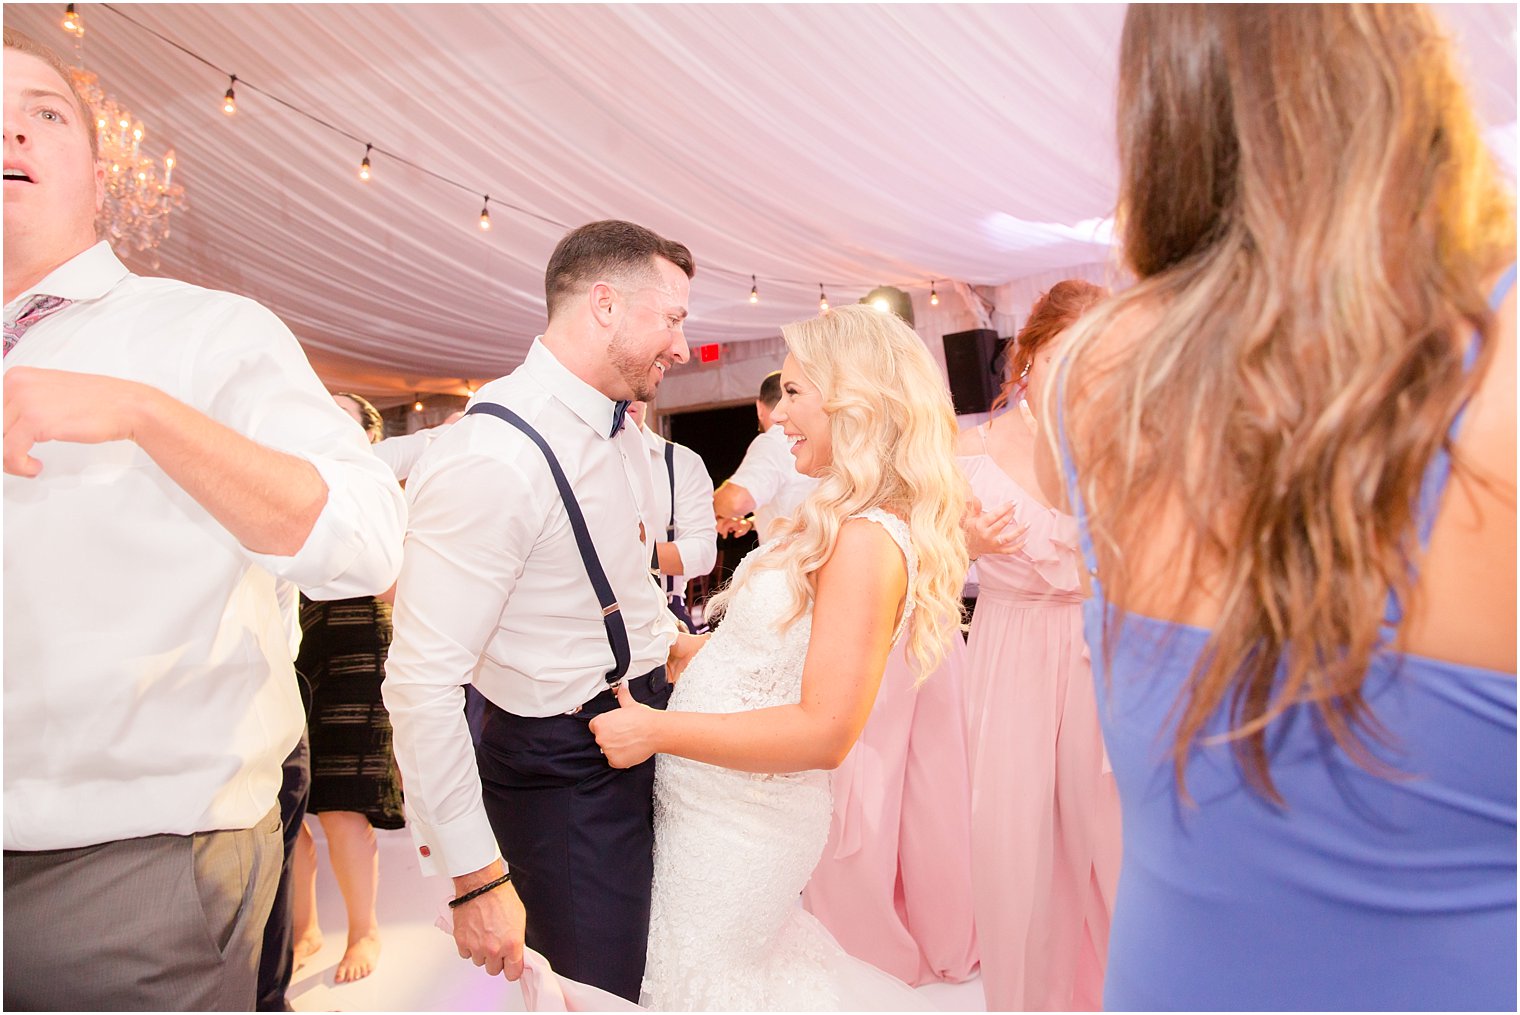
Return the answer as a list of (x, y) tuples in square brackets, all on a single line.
[(604, 301)]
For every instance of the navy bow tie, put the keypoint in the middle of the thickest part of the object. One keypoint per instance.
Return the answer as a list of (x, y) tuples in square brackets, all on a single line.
[(619, 412)]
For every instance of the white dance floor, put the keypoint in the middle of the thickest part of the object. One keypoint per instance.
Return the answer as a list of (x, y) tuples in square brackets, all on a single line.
[(419, 970)]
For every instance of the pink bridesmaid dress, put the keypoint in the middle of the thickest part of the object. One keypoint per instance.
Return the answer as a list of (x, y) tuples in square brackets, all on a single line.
[(1045, 841), (894, 883)]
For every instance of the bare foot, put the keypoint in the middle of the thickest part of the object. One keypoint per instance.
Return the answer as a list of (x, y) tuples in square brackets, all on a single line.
[(306, 947), (359, 961)]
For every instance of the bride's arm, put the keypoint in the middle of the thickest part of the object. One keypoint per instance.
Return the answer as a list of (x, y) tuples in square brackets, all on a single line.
[(859, 597)]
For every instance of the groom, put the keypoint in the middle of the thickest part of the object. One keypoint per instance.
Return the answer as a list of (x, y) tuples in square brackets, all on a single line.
[(499, 588)]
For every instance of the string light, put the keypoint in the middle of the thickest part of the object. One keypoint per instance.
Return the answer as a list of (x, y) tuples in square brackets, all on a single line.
[(485, 215), (364, 164), (417, 406), (823, 300), (469, 387), (73, 22)]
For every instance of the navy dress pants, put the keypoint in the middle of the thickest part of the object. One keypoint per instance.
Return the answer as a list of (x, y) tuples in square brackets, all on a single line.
[(577, 835)]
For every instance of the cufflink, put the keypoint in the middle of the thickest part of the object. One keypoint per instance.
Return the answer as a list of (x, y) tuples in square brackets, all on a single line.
[(424, 851)]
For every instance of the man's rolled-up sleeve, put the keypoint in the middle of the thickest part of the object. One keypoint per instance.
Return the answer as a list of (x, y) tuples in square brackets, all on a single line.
[(354, 548), (251, 374), (761, 470), (696, 528)]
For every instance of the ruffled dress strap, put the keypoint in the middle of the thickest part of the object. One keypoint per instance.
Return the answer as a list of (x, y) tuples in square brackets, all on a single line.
[(898, 530)]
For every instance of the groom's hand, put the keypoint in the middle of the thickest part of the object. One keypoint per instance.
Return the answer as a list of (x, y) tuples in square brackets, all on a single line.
[(682, 650), (626, 734), (488, 930)]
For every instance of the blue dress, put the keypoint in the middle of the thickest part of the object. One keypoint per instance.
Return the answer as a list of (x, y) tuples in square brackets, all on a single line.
[(1366, 892)]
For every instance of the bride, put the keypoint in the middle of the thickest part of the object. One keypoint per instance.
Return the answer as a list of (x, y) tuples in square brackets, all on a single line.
[(742, 802)]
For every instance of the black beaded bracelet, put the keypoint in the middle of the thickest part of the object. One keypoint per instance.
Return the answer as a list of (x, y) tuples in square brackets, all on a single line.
[(476, 893)]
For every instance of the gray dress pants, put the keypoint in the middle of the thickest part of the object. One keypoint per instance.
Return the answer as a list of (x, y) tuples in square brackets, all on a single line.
[(160, 923)]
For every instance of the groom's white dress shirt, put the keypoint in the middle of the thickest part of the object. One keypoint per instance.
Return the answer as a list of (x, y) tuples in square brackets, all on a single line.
[(148, 678), (493, 590)]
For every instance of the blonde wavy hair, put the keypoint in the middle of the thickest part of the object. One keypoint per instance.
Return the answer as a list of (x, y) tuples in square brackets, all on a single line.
[(1311, 212), (893, 432)]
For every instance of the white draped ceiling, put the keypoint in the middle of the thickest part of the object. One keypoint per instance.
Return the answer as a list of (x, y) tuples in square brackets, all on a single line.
[(850, 145)]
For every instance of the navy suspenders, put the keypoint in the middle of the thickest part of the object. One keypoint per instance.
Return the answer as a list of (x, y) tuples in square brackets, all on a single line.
[(612, 617), (670, 527)]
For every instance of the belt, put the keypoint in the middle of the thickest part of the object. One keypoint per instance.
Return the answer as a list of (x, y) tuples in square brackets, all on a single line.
[(650, 683)]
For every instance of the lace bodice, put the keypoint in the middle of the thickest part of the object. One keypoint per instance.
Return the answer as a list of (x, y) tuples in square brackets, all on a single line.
[(733, 850), (751, 661)]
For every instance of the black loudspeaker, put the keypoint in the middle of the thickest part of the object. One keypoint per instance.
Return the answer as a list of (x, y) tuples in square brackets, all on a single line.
[(972, 361)]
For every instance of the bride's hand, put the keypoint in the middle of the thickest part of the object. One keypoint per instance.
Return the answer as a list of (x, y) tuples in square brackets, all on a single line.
[(626, 735)]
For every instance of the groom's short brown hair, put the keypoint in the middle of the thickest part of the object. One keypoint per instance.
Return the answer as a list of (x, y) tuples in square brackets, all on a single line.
[(606, 250)]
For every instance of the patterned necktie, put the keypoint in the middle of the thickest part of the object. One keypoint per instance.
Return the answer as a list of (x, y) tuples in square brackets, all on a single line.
[(619, 409), (36, 309)]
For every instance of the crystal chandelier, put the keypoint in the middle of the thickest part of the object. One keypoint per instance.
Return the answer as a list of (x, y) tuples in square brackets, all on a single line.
[(140, 189)]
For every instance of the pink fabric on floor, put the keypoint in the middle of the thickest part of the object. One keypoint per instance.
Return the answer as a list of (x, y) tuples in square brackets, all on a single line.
[(1045, 812), (893, 885), (543, 990)]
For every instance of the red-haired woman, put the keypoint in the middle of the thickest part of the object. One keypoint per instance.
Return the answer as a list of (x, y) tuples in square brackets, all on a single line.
[(1044, 812)]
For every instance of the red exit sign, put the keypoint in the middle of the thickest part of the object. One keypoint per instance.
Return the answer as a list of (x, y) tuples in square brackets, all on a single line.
[(709, 353)]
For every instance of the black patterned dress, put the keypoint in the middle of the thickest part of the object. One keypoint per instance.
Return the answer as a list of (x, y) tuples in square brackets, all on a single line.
[(341, 665)]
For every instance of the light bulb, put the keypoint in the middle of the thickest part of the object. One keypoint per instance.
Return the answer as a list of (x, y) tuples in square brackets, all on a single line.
[(71, 21), (933, 296), (823, 300), (485, 215), (881, 304), (754, 290), (417, 406), (229, 100)]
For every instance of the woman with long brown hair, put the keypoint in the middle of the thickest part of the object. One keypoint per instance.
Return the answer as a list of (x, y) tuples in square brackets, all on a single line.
[(1305, 654), (1044, 812)]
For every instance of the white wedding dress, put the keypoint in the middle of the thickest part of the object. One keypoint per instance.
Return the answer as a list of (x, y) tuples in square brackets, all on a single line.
[(733, 850)]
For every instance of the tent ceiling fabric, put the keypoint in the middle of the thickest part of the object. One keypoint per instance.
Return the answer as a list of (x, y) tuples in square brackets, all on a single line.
[(845, 144)]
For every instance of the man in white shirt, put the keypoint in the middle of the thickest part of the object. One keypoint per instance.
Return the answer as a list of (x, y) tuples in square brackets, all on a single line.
[(495, 590), (767, 481), (168, 456), (683, 492), (402, 452)]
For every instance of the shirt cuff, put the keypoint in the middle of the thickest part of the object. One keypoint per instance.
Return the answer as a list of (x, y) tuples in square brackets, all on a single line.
[(454, 848)]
